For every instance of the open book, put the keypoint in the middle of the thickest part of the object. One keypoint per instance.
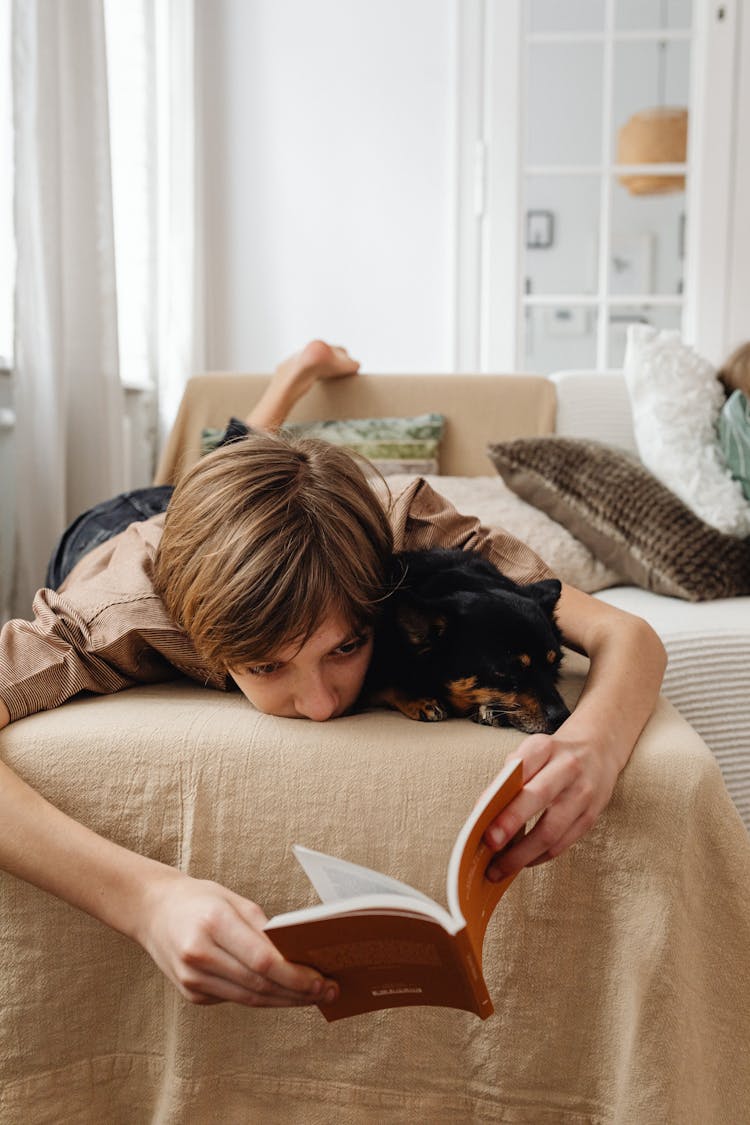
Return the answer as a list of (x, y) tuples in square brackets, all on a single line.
[(388, 944)]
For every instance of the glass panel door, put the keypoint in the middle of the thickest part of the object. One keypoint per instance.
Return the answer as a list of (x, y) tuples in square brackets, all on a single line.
[(604, 174)]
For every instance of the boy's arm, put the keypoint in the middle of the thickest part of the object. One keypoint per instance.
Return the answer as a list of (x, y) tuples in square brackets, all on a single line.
[(47, 661), (569, 776), (207, 940)]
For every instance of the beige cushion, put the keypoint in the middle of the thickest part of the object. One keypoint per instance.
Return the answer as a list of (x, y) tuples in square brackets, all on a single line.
[(478, 409)]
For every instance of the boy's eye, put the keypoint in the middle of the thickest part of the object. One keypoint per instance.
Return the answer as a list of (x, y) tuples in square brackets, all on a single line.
[(348, 647), (263, 669)]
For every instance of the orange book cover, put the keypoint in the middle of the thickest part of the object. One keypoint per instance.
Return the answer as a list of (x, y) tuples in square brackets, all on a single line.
[(387, 944)]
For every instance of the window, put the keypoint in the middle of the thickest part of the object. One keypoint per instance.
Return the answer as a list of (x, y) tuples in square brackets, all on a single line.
[(7, 240), (129, 93), (130, 84), (596, 147), (607, 94)]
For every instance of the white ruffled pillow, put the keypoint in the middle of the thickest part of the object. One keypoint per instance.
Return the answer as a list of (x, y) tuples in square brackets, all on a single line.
[(676, 400)]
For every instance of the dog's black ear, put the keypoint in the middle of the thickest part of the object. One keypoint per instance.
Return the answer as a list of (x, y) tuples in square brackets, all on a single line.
[(420, 627), (546, 593)]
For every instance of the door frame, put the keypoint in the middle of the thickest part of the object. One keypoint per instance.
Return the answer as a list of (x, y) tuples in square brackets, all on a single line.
[(490, 118)]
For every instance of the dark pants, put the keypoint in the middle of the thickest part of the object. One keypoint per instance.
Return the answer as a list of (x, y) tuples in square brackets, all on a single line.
[(102, 522)]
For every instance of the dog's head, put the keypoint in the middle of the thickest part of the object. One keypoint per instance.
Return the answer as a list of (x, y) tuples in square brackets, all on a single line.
[(490, 648)]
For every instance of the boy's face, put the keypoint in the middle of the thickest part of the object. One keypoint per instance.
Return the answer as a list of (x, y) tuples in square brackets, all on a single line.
[(319, 681)]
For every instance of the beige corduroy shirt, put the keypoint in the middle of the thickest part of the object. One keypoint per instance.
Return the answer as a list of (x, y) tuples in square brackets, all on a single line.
[(105, 629)]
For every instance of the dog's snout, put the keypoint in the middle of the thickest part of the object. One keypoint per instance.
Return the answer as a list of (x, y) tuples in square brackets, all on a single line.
[(555, 714)]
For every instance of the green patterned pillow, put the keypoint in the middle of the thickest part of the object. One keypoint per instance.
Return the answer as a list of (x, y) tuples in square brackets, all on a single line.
[(393, 445), (734, 437), (353, 431), (210, 438)]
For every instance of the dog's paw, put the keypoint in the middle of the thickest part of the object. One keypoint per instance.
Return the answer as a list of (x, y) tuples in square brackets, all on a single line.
[(421, 710), (432, 712), (427, 711)]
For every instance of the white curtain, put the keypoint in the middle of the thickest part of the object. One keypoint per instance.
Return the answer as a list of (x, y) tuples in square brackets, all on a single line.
[(179, 290), (68, 390)]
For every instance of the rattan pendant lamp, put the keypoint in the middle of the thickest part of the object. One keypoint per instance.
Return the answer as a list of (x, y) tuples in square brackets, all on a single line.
[(657, 135)]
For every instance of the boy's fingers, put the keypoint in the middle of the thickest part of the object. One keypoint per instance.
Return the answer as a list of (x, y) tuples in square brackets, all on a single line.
[(541, 786), (209, 989), (534, 752), (269, 964), (552, 834)]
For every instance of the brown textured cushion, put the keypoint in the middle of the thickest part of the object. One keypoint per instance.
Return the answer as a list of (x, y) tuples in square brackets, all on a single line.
[(630, 521)]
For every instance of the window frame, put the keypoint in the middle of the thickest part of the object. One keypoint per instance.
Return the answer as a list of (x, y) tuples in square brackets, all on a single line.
[(491, 115)]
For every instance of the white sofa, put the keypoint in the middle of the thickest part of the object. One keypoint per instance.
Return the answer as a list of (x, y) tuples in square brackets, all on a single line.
[(617, 971), (708, 643)]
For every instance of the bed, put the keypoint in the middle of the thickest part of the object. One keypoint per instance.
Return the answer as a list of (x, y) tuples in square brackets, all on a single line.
[(618, 972)]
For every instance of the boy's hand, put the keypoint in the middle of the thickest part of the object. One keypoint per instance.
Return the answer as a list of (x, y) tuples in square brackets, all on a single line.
[(570, 776), (210, 943), (569, 782)]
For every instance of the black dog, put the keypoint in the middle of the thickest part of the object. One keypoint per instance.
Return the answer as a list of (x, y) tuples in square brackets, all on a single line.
[(458, 638)]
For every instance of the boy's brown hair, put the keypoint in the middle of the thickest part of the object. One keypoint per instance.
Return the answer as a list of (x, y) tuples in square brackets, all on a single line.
[(735, 372), (263, 539)]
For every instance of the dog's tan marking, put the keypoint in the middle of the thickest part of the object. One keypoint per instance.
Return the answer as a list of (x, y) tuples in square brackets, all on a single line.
[(525, 659), (464, 695), (551, 656), (462, 685), (524, 710), (530, 708)]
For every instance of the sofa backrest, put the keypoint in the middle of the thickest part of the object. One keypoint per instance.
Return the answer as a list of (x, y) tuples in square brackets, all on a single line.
[(478, 409), (595, 405)]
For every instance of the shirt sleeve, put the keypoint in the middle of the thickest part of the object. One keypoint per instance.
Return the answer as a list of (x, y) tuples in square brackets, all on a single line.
[(422, 518), (44, 662), (105, 629)]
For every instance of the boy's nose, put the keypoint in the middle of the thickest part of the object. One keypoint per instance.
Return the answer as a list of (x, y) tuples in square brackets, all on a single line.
[(316, 701)]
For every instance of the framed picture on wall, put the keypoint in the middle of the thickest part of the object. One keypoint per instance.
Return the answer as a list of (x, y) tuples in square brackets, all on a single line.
[(540, 230)]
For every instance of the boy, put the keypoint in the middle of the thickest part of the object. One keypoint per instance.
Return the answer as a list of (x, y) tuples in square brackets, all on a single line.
[(267, 572)]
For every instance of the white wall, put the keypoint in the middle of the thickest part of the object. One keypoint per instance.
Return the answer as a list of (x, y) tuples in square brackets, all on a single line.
[(738, 305), (328, 179)]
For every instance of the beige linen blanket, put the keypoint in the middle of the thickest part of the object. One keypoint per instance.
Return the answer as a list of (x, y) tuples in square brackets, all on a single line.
[(618, 971)]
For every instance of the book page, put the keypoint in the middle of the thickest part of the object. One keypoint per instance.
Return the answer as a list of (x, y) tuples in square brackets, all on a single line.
[(371, 905), (337, 879)]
